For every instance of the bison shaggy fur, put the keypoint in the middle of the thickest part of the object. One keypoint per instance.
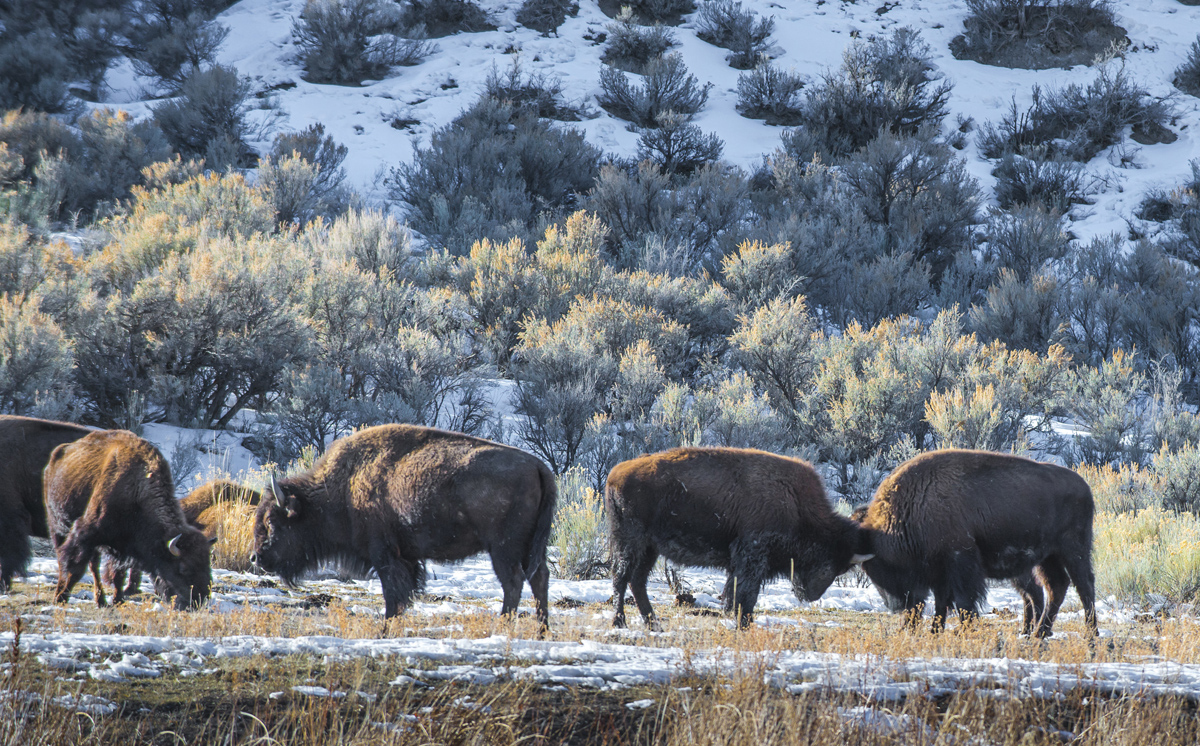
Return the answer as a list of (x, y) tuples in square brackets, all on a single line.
[(756, 514), (112, 489), (26, 444), (392, 496), (948, 520)]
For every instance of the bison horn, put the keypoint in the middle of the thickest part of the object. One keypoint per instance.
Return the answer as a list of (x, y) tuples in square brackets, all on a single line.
[(173, 546), (276, 490), (858, 559)]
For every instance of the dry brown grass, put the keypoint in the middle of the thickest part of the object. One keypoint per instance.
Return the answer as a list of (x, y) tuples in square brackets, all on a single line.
[(233, 705)]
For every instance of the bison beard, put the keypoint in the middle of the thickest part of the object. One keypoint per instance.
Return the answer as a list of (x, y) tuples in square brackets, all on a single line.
[(26, 444), (755, 514), (392, 496), (947, 521), (112, 489)]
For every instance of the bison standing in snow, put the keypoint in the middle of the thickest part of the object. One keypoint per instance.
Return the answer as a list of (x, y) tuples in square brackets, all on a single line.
[(947, 520), (757, 515), (112, 489), (26, 444), (393, 496)]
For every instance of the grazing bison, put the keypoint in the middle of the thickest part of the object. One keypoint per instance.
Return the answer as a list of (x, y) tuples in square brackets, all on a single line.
[(392, 496), (755, 514), (26, 444), (947, 520), (203, 508), (112, 489)]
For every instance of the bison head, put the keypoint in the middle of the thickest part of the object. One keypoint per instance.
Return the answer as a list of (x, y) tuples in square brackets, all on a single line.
[(897, 578), (279, 533), (816, 564), (187, 573)]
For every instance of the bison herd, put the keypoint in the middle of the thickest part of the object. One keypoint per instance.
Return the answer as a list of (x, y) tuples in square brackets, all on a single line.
[(388, 498)]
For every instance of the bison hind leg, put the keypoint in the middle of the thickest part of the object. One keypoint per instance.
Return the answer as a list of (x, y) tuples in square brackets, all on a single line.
[(539, 583), (511, 574)]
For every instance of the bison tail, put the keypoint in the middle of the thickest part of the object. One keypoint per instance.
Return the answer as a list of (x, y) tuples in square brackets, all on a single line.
[(545, 521)]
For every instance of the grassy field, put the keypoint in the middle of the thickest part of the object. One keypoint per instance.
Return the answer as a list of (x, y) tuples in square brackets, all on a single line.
[(251, 700)]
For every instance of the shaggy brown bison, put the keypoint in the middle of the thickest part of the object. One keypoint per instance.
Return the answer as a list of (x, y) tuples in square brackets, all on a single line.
[(755, 514), (203, 508), (26, 444), (947, 520), (112, 489), (392, 496)]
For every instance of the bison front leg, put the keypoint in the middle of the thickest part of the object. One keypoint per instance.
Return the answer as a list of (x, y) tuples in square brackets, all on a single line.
[(1031, 599), (748, 571), (399, 579), (14, 549), (74, 556), (98, 579)]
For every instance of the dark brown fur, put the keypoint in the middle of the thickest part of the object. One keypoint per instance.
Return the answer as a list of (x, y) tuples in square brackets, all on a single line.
[(756, 514), (112, 489), (197, 510), (393, 496), (947, 520), (25, 446)]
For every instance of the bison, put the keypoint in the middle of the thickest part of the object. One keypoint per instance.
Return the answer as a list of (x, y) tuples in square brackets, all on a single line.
[(26, 444), (948, 520), (756, 514), (392, 496), (203, 507), (112, 489)]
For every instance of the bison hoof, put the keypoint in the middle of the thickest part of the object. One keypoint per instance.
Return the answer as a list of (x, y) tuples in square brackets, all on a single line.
[(619, 622), (654, 625)]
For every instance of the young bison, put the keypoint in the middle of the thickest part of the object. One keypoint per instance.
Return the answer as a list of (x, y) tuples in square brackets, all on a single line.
[(948, 520), (112, 489), (758, 515)]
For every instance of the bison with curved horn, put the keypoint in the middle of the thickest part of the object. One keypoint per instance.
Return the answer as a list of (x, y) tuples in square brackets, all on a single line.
[(756, 514), (114, 490), (392, 496), (26, 444), (203, 507), (948, 520)]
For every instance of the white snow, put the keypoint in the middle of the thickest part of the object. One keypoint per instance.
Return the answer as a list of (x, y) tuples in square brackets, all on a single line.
[(808, 38), (623, 658)]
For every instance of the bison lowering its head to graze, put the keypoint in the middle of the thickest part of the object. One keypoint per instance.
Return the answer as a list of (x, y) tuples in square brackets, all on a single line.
[(393, 496), (205, 507), (947, 520), (755, 514), (112, 489), (25, 446)]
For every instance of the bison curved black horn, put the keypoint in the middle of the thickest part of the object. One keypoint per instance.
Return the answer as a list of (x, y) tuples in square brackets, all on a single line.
[(173, 546)]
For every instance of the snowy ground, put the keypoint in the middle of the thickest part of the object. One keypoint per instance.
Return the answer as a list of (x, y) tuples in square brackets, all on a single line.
[(809, 38), (609, 659)]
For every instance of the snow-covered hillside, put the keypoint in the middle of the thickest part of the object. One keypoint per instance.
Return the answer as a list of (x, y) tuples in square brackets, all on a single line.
[(808, 38)]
